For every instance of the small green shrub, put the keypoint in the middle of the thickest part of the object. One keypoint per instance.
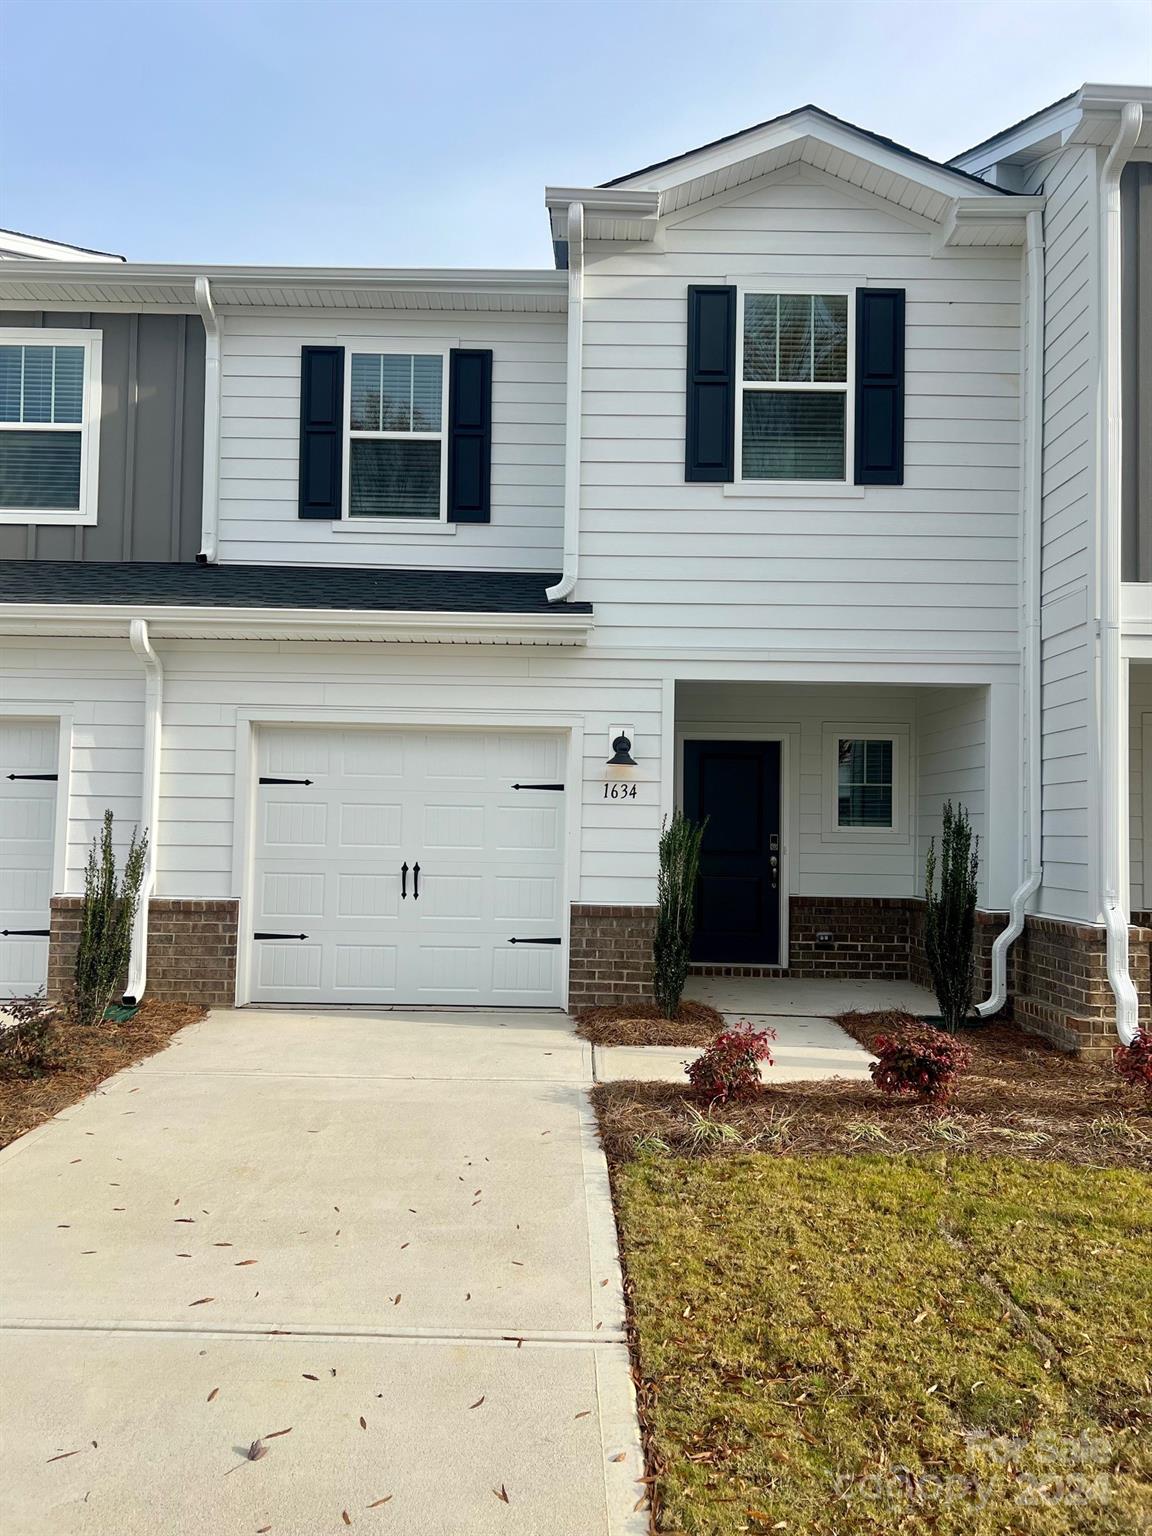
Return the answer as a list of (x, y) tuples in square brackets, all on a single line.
[(106, 920), (31, 1041), (676, 911), (950, 915)]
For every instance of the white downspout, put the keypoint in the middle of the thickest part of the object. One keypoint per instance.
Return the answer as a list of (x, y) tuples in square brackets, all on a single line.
[(1112, 830), (149, 803), (573, 406), (210, 515), (1030, 554)]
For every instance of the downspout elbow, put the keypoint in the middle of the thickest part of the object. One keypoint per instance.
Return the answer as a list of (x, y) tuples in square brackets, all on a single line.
[(141, 644), (573, 407), (210, 511)]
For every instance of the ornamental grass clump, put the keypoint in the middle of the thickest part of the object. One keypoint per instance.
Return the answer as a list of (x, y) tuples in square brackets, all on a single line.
[(918, 1060), (1134, 1061), (729, 1068)]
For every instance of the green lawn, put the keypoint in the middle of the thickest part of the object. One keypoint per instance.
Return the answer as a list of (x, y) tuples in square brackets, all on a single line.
[(821, 1354)]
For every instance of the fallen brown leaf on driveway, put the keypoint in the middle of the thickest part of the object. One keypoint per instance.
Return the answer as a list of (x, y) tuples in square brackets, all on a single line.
[(502, 1494), (276, 1433), (201, 1302), (212, 1395), (585, 1414), (363, 1422), (63, 1456), (620, 1456), (346, 1517), (376, 1503), (477, 1403), (240, 1263), (256, 1450), (308, 1376)]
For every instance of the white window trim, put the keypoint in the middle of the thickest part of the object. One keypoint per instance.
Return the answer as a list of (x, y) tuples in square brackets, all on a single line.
[(409, 346), (70, 517), (899, 736), (835, 489)]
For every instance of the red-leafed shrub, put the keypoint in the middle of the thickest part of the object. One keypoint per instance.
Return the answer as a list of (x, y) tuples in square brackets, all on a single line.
[(1134, 1061), (728, 1068), (919, 1060)]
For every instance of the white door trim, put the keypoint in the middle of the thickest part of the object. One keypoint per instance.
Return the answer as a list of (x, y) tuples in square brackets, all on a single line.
[(784, 735), (250, 718)]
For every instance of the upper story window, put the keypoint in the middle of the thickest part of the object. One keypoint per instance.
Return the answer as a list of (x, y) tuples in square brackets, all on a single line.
[(794, 414), (49, 425), (397, 464)]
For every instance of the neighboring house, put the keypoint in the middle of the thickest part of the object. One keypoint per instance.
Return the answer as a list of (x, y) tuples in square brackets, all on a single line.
[(17, 247), (402, 607)]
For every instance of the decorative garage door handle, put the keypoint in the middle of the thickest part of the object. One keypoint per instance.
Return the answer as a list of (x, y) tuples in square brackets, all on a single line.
[(415, 882), (537, 786), (556, 940), (25, 933), (264, 780), (279, 935), (404, 881), (45, 778)]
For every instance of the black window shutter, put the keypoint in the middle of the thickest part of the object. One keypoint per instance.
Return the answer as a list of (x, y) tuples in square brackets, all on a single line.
[(470, 436), (321, 430), (880, 386), (711, 385)]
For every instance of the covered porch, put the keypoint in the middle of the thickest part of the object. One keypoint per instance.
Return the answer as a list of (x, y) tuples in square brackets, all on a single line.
[(822, 800)]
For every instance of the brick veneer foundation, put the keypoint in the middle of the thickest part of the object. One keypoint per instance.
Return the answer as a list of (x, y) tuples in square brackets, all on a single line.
[(191, 949), (1062, 989), (611, 955)]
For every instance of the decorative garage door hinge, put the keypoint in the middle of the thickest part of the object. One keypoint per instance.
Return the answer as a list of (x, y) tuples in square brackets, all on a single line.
[(556, 940), (45, 778), (25, 933), (537, 786), (279, 935), (264, 780)]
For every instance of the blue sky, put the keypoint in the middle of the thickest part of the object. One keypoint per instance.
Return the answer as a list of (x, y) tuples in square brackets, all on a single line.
[(422, 134)]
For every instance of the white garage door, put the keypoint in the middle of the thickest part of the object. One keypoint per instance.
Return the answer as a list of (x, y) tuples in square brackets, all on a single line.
[(27, 839), (409, 867)]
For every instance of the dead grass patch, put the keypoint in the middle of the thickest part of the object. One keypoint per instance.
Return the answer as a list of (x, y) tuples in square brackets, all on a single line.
[(87, 1056), (695, 1024)]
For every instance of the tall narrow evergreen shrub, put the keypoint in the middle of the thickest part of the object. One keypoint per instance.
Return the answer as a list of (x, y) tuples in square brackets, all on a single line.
[(106, 920), (676, 912), (950, 915)]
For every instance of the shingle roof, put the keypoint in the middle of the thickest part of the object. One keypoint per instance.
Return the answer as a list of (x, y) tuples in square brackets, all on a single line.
[(841, 122), (279, 586)]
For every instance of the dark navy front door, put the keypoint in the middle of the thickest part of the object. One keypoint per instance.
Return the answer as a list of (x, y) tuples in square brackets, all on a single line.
[(736, 785)]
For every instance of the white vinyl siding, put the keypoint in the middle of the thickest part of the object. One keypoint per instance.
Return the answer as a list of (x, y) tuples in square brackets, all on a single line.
[(260, 438), (1071, 223), (928, 566)]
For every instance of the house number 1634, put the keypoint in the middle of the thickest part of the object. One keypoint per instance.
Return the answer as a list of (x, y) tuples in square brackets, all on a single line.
[(619, 791)]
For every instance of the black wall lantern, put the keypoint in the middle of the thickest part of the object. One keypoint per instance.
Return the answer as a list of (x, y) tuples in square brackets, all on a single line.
[(621, 753)]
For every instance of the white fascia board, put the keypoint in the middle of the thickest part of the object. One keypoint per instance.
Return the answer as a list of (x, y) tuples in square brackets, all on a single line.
[(804, 125), (1049, 130), (114, 619), (604, 205), (32, 248), (368, 279), (969, 213)]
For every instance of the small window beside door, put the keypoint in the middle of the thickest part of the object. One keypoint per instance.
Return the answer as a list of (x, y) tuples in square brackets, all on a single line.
[(865, 776)]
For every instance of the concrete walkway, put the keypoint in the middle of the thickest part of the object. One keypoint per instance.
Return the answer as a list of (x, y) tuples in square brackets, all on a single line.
[(380, 1244)]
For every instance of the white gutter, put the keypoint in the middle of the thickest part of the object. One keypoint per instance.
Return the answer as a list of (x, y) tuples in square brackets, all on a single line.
[(573, 408), (210, 513), (149, 804), (1030, 555), (1113, 712), (107, 620)]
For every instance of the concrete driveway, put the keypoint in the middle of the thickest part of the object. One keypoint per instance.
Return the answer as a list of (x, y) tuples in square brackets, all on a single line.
[(380, 1244)]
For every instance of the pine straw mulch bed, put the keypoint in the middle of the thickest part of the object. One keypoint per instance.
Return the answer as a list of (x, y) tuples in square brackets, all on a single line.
[(1020, 1097), (87, 1056), (695, 1024)]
